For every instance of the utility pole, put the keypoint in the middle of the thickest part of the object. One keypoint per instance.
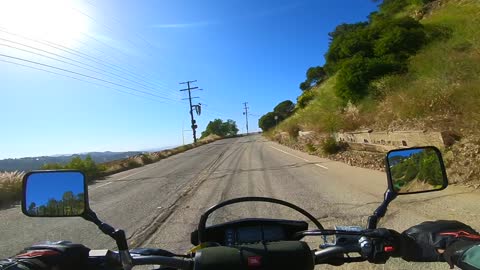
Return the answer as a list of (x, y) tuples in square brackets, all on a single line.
[(194, 125), (246, 114)]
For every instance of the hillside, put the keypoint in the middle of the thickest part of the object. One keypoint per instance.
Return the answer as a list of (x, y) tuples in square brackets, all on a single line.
[(433, 87)]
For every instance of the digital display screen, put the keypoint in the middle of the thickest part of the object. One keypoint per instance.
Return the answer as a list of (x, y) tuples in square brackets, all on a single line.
[(249, 234), (255, 234), (273, 233)]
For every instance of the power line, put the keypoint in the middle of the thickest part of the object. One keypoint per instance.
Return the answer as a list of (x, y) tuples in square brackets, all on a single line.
[(81, 55), (83, 75), (215, 113), (118, 21), (214, 110), (111, 30), (79, 79), (108, 27), (86, 81), (91, 69)]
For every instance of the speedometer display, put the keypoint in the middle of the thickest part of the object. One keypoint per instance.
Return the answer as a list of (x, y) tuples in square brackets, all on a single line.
[(249, 234), (252, 231)]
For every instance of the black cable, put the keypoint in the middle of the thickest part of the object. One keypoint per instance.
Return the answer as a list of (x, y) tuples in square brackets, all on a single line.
[(113, 31), (106, 27), (78, 79), (70, 59), (83, 75), (78, 54)]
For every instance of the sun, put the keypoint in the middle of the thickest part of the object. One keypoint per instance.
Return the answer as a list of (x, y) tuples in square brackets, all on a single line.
[(57, 21)]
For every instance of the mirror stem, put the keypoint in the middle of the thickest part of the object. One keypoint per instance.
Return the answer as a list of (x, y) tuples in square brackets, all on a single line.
[(117, 235), (104, 227), (381, 210)]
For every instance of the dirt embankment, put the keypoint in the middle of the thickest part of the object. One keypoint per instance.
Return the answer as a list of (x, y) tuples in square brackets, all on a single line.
[(463, 162)]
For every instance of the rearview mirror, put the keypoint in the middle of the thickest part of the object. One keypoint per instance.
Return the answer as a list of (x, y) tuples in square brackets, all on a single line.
[(54, 194), (416, 170)]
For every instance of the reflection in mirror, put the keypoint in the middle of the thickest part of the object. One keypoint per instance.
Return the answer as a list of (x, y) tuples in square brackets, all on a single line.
[(54, 194), (416, 170)]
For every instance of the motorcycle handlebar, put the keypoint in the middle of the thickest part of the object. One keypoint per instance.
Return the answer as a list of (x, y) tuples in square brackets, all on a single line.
[(331, 255), (177, 263), (374, 246)]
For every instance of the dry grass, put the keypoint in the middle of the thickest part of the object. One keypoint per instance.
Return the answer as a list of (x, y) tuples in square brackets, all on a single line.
[(444, 78), (10, 187), (117, 166)]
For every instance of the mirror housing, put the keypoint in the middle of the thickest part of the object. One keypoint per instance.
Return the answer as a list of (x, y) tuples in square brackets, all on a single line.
[(415, 170), (60, 193)]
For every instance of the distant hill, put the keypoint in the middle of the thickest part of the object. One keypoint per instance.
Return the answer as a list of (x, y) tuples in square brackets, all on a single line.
[(33, 163)]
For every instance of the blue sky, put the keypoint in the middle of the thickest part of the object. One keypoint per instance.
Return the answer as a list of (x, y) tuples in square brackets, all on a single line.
[(248, 50), (405, 153)]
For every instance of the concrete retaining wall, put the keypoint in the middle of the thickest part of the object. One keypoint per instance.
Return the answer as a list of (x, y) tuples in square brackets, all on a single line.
[(385, 141)]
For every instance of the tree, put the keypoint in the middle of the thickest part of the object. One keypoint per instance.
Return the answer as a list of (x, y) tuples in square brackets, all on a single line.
[(304, 86), (404, 37), (346, 41), (315, 76), (52, 207), (220, 128), (32, 208), (284, 109), (267, 121), (87, 166)]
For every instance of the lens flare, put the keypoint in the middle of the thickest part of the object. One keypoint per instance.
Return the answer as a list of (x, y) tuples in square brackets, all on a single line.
[(58, 21)]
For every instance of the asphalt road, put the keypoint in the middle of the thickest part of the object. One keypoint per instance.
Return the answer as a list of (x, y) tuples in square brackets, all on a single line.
[(159, 205)]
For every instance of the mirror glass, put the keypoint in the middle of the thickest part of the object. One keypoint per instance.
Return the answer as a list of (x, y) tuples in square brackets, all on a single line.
[(54, 194), (416, 170)]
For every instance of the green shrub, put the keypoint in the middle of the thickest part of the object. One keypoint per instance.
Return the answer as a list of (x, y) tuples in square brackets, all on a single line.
[(310, 147), (133, 164), (292, 129), (91, 170), (305, 98), (331, 146), (146, 159)]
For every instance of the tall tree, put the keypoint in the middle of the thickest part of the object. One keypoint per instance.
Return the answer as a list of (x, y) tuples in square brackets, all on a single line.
[(284, 109), (267, 121), (32, 208), (220, 128), (315, 76)]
